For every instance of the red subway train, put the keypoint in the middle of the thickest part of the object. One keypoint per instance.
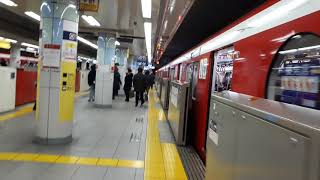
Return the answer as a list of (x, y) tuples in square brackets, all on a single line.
[(273, 52)]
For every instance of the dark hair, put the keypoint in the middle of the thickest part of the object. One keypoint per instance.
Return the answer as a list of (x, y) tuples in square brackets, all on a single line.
[(140, 70), (93, 67), (147, 72), (129, 70)]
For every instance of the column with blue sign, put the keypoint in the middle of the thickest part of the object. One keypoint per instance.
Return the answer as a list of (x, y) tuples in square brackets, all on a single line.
[(104, 76), (56, 71)]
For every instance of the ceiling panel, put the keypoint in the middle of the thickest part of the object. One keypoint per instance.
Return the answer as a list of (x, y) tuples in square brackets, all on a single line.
[(205, 18)]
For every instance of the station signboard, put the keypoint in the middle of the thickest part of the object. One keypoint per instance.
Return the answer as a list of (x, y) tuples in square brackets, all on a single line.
[(88, 5)]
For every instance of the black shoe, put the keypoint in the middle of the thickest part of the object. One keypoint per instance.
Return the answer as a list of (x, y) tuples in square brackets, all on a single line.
[(127, 100)]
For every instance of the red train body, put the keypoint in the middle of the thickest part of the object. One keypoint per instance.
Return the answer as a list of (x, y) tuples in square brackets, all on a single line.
[(255, 50)]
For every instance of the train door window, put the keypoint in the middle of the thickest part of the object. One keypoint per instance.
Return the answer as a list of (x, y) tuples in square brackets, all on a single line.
[(295, 75), (176, 72), (182, 69), (189, 73), (195, 76), (172, 73), (223, 69)]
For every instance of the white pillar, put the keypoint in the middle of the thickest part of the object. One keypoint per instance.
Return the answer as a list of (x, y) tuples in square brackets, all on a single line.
[(104, 76)]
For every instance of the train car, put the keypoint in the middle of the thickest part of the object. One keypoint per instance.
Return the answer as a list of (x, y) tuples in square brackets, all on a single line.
[(273, 52)]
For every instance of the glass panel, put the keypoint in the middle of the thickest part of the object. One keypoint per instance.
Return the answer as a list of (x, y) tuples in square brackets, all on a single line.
[(189, 73), (294, 77), (223, 69), (195, 78)]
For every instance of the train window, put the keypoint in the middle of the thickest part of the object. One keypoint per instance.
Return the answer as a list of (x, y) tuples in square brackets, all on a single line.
[(180, 72), (294, 77), (223, 69), (172, 74), (195, 78), (189, 73)]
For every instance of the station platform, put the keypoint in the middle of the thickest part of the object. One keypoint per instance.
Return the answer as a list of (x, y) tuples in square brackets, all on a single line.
[(123, 142)]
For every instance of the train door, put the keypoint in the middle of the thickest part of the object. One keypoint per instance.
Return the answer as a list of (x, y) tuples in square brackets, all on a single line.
[(192, 78)]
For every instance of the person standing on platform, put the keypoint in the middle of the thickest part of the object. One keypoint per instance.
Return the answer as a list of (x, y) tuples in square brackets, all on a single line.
[(116, 82), (153, 77), (139, 84), (92, 82), (128, 84), (148, 82)]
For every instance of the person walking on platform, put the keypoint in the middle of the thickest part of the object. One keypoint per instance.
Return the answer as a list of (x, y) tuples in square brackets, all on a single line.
[(139, 84), (148, 83), (116, 82), (92, 82), (128, 84)]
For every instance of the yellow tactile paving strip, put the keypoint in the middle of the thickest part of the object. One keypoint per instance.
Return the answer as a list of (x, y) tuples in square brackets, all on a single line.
[(62, 159), (162, 160), (27, 109), (17, 113)]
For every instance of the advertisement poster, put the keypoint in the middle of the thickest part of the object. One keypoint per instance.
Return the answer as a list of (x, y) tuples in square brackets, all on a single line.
[(203, 68), (51, 55), (69, 43), (89, 5), (299, 82)]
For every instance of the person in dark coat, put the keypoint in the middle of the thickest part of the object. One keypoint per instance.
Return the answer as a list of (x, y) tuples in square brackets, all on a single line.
[(148, 81), (128, 84), (139, 84), (92, 82), (153, 77), (116, 82)]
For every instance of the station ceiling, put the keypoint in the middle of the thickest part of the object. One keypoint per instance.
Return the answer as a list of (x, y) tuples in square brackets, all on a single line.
[(204, 18), (120, 17)]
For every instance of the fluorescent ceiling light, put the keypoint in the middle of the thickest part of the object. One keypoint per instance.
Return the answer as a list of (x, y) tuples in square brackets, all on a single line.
[(32, 15), (172, 5), (288, 5), (87, 42), (117, 43), (11, 40), (146, 8), (147, 32), (8, 3), (90, 20), (299, 49), (29, 45), (309, 48), (30, 49), (8, 40)]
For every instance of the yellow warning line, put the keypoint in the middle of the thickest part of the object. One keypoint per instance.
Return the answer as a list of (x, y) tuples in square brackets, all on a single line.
[(17, 113), (162, 160), (27, 109), (62, 159)]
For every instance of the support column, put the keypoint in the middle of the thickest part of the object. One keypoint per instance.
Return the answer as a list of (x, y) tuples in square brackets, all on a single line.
[(56, 71), (122, 57), (104, 76), (15, 54)]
